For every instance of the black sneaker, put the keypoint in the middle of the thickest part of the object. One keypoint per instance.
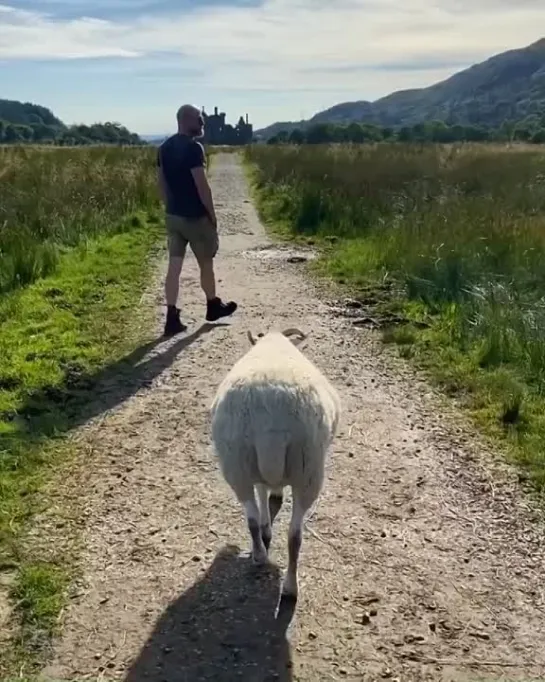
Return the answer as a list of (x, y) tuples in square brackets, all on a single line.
[(173, 324), (217, 309)]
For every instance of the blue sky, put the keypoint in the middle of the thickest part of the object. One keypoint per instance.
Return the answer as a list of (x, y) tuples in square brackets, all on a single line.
[(136, 61)]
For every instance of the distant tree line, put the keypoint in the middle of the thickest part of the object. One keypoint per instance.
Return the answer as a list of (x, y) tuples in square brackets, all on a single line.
[(531, 130), (39, 132)]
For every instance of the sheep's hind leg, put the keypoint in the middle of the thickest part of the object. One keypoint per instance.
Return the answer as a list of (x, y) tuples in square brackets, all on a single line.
[(264, 515), (301, 504), (259, 552), (275, 503)]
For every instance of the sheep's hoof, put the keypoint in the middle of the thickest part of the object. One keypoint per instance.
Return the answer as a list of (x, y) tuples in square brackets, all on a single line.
[(266, 536), (288, 597), (289, 590), (260, 558)]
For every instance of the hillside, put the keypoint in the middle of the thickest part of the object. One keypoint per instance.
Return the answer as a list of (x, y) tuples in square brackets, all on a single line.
[(507, 87), (24, 122), (25, 113)]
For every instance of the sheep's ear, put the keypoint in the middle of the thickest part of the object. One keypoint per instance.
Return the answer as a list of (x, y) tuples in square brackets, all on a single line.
[(293, 331)]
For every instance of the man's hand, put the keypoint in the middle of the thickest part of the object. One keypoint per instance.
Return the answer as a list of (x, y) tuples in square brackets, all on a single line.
[(205, 193), (161, 184)]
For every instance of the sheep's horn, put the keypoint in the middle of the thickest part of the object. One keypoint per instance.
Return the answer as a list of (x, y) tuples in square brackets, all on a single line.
[(252, 338), (293, 330)]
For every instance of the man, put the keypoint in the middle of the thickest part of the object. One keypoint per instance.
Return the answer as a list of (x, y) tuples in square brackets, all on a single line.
[(190, 216)]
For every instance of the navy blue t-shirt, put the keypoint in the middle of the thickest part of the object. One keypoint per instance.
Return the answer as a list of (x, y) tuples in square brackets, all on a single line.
[(176, 157)]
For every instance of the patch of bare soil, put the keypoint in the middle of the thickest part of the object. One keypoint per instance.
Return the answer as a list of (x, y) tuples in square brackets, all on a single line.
[(422, 560)]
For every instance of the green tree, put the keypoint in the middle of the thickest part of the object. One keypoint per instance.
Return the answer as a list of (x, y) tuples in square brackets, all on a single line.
[(297, 136), (320, 133), (12, 134)]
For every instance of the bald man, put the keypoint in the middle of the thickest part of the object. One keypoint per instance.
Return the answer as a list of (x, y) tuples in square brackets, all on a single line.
[(190, 216)]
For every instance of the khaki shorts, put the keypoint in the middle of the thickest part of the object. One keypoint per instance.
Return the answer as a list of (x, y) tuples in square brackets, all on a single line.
[(199, 233)]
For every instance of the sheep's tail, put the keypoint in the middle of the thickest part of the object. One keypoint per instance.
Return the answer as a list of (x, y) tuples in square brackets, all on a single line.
[(271, 450)]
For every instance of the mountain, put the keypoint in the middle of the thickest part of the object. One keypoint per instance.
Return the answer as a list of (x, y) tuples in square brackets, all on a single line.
[(507, 87), (23, 122), (154, 139)]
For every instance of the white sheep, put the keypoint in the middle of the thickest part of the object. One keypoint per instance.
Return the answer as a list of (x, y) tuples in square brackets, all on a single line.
[(273, 419)]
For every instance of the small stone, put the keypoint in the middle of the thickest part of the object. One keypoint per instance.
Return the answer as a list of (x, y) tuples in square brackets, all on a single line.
[(312, 635), (365, 619), (370, 599), (411, 638)]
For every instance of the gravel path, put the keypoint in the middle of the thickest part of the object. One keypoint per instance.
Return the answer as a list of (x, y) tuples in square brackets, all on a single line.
[(417, 563)]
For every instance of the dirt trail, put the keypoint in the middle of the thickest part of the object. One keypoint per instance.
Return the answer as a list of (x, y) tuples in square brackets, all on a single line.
[(415, 565)]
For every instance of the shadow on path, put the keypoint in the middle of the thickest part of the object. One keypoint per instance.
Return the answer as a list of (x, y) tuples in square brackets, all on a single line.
[(224, 628), (82, 397)]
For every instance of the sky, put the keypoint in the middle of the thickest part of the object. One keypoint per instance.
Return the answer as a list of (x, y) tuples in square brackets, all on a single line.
[(137, 61)]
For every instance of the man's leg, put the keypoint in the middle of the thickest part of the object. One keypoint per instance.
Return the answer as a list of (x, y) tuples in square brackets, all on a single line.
[(215, 307), (208, 277), (205, 246), (172, 280), (176, 250)]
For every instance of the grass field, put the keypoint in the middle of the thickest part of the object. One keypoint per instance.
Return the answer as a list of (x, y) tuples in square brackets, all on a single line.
[(77, 229), (52, 199), (450, 237)]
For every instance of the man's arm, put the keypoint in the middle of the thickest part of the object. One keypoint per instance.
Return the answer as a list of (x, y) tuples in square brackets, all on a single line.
[(201, 181), (161, 182)]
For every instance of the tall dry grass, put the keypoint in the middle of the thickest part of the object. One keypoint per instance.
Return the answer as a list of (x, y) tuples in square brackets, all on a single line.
[(54, 198)]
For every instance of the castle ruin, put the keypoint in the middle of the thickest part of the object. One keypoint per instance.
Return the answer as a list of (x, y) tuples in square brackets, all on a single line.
[(217, 132)]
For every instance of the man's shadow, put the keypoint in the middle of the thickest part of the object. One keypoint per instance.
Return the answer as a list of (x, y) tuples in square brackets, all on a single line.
[(83, 396), (224, 628)]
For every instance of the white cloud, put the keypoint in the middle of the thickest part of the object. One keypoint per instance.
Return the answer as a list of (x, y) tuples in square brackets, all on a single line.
[(33, 35), (335, 47), (290, 32)]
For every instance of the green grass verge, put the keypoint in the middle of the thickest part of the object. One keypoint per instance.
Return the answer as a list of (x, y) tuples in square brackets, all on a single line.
[(501, 397), (59, 339)]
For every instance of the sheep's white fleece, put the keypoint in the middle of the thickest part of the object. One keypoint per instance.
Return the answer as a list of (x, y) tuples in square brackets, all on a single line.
[(273, 418)]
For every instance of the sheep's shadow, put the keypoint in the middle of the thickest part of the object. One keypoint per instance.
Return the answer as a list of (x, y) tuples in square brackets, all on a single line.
[(224, 628)]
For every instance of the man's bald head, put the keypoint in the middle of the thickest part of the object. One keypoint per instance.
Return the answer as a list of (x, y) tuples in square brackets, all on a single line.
[(190, 120)]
